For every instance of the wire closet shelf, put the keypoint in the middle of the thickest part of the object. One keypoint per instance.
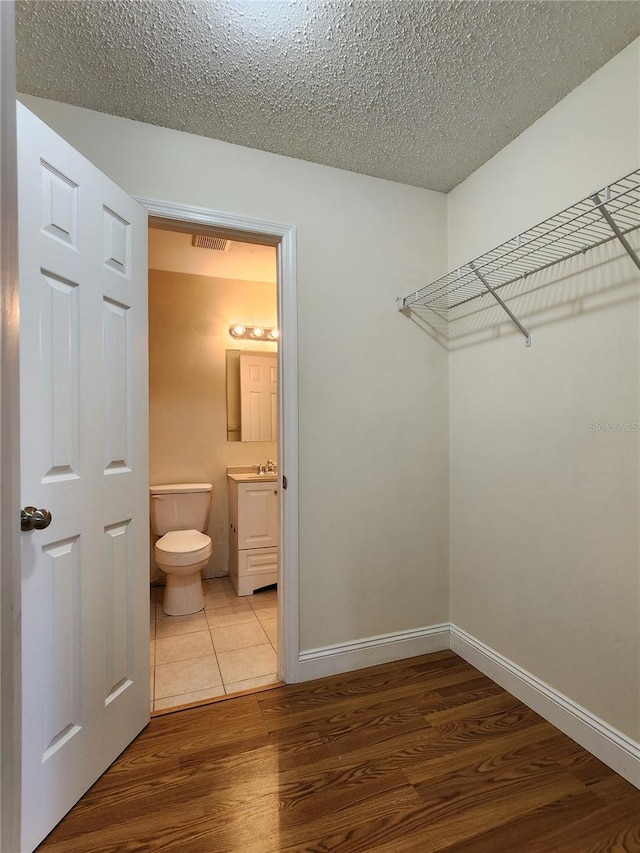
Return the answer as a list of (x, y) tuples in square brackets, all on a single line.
[(609, 214)]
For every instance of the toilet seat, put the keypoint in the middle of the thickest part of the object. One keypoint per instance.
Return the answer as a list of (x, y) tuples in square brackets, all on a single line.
[(182, 548)]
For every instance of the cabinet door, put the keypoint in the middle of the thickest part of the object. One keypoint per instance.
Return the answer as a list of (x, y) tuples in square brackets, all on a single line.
[(257, 515)]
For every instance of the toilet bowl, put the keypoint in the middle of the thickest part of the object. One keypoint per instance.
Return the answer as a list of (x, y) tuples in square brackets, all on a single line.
[(179, 515), (181, 554)]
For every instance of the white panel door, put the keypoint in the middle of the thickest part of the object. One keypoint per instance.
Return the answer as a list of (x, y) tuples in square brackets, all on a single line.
[(83, 386), (258, 396)]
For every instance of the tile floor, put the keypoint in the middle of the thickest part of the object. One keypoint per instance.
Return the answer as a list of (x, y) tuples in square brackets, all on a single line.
[(227, 647)]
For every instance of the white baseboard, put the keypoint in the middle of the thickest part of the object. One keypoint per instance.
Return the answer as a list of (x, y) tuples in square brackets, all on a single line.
[(344, 657), (613, 748)]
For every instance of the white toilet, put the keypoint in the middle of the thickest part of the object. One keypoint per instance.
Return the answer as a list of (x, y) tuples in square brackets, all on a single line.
[(179, 515)]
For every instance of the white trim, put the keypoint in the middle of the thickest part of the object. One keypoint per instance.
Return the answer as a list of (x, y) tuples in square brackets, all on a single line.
[(284, 237), (371, 651), (10, 673), (612, 747), (218, 219), (289, 623)]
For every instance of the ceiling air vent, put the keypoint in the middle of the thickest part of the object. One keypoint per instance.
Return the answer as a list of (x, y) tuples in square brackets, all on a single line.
[(218, 244)]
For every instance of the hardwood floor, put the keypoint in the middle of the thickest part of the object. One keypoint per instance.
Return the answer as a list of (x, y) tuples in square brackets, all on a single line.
[(422, 755)]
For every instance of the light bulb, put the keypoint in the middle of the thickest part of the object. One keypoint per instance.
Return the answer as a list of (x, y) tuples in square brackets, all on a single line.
[(237, 330), (258, 332), (274, 334)]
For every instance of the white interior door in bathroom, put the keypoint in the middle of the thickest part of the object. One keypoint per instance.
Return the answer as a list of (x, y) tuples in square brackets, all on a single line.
[(84, 436), (259, 396)]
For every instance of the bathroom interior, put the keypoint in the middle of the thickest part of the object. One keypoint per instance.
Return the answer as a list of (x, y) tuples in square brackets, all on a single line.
[(214, 502)]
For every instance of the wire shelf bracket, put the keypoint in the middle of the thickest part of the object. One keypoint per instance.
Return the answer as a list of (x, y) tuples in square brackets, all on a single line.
[(611, 223), (504, 305), (608, 214)]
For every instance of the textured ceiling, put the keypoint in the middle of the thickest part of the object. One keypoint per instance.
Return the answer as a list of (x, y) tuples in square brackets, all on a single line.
[(417, 91)]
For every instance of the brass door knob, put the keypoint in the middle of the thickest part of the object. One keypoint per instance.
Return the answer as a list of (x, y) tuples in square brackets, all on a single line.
[(34, 519)]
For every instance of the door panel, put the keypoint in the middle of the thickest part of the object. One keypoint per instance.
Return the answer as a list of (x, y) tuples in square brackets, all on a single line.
[(83, 381), (59, 376)]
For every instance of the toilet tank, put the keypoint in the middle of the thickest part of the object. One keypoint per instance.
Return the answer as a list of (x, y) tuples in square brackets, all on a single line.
[(180, 506)]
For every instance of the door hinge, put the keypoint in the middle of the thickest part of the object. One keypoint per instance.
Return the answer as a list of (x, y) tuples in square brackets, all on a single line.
[(284, 482)]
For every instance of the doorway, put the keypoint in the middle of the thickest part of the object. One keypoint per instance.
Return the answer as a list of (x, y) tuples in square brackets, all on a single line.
[(282, 237), (213, 327)]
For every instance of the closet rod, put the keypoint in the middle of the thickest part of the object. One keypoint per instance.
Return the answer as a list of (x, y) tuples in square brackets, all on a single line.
[(609, 220)]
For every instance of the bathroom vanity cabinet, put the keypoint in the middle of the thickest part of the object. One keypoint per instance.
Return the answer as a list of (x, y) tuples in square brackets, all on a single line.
[(253, 531)]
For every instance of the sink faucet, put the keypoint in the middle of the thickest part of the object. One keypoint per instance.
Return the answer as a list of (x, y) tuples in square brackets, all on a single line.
[(267, 467)]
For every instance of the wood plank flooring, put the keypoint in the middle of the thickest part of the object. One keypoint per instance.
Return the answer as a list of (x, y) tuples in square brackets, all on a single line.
[(422, 755)]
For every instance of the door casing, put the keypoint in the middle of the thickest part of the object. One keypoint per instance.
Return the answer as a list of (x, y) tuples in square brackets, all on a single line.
[(283, 237), (10, 704)]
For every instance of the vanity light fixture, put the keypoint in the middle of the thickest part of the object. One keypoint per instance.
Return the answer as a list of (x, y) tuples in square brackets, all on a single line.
[(253, 333)]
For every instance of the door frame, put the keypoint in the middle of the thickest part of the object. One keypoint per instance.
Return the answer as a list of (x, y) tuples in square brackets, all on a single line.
[(10, 682), (283, 237)]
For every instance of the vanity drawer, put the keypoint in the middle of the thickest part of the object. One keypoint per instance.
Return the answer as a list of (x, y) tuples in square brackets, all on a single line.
[(258, 561), (257, 567)]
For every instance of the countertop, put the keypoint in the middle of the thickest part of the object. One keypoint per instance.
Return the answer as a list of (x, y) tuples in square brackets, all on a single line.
[(253, 477)]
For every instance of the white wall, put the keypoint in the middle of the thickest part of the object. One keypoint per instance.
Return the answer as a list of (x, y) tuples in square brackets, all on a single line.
[(373, 386), (544, 507)]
